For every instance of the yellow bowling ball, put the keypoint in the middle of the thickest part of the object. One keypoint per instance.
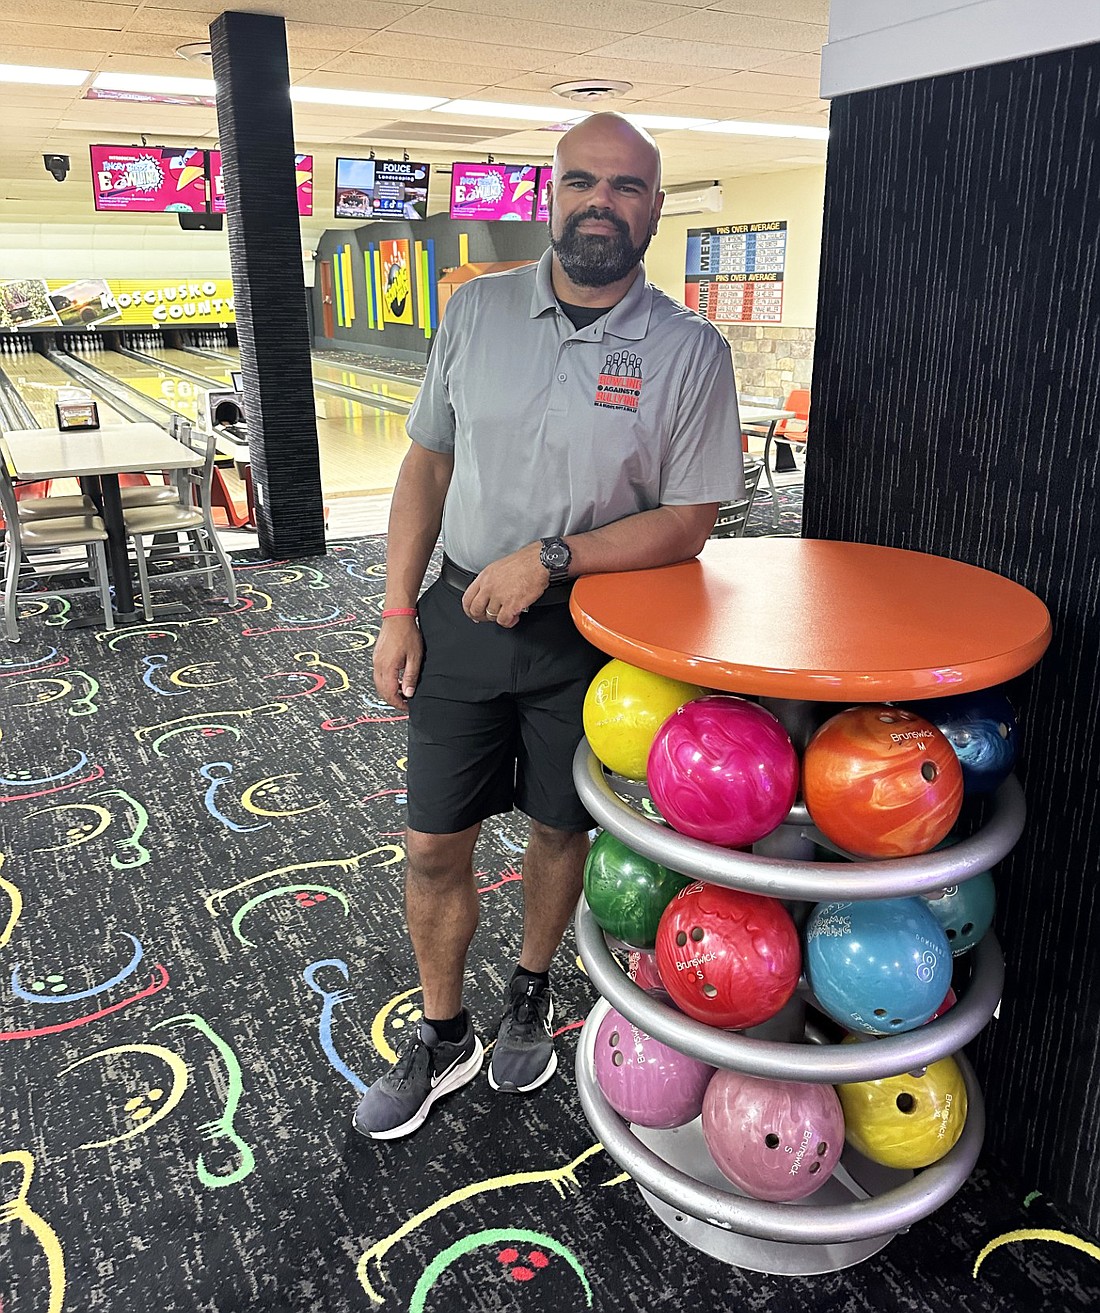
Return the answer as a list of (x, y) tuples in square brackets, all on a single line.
[(906, 1121), (623, 710)]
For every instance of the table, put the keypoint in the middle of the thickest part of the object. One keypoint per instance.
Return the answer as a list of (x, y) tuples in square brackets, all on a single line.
[(799, 622), (765, 417), (101, 455)]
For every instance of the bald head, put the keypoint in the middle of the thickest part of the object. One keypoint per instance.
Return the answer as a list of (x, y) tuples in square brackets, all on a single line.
[(611, 133)]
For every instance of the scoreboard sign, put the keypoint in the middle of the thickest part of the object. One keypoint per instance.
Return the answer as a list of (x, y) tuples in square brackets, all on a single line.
[(735, 272)]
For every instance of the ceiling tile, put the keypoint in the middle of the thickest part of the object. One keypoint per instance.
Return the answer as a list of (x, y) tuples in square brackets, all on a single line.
[(325, 36), (626, 16), (65, 42), (700, 54), (545, 81), (574, 67), (67, 13), (703, 98), (485, 55), (367, 13), (797, 11), (799, 66), (773, 83), (449, 24), (173, 22), (744, 30)]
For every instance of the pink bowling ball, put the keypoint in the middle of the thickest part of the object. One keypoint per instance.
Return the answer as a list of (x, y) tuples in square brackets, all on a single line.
[(642, 969), (644, 1080), (722, 770), (774, 1139)]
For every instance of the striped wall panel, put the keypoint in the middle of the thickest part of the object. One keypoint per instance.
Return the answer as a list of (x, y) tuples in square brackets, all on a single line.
[(956, 410)]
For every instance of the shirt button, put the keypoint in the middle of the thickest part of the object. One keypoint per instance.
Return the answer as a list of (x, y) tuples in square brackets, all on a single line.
[(562, 378)]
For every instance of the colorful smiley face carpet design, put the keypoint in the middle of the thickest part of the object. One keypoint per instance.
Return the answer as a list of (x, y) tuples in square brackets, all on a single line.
[(203, 963)]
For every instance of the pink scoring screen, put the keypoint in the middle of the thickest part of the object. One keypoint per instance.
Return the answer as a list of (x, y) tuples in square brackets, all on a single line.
[(542, 211), (149, 179), (303, 171), (493, 191)]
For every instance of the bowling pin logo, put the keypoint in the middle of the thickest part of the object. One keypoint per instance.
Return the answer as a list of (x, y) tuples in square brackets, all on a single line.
[(619, 386)]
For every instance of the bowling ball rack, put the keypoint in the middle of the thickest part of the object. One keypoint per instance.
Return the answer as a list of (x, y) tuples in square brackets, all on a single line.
[(863, 1205)]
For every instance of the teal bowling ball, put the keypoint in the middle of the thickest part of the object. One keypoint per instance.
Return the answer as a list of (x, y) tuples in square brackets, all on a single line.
[(965, 911), (627, 892)]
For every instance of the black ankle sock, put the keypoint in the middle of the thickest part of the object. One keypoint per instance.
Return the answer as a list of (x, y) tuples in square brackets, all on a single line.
[(543, 977), (451, 1030)]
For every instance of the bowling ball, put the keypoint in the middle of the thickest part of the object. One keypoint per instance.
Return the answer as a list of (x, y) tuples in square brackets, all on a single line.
[(882, 966), (728, 958), (627, 892), (981, 728), (642, 969), (623, 709), (881, 782), (908, 1120), (723, 770), (774, 1139), (965, 911), (644, 1080)]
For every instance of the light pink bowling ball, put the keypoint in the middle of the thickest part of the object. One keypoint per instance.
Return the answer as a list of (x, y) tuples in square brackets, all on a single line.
[(644, 1080), (722, 770), (774, 1139)]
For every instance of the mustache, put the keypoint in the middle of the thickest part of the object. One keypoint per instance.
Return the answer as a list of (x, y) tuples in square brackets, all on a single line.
[(604, 216)]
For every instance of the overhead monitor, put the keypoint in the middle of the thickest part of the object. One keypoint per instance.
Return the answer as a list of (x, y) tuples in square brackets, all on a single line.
[(303, 173), (149, 179), (381, 189), (493, 191), (542, 209)]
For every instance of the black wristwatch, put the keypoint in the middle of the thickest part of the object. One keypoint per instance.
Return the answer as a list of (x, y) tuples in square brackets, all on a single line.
[(556, 556)]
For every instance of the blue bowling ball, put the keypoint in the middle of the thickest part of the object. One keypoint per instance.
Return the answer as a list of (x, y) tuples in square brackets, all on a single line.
[(982, 729), (965, 911), (881, 967)]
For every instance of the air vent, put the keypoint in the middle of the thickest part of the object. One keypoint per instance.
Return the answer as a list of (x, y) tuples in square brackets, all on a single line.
[(447, 133), (590, 89)]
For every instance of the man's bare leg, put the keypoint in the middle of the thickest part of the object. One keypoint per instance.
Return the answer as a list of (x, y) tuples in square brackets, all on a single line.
[(442, 912), (553, 875)]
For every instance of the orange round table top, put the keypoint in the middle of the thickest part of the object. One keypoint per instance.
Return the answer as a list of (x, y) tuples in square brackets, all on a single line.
[(817, 620)]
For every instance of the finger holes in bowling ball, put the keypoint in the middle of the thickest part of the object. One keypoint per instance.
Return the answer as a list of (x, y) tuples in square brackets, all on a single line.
[(887, 717), (815, 1167), (928, 770), (697, 934), (967, 929), (617, 1058), (906, 1103), (822, 1149), (1003, 730), (897, 1021), (772, 1140), (681, 938), (951, 932), (613, 1038), (710, 991), (880, 1012)]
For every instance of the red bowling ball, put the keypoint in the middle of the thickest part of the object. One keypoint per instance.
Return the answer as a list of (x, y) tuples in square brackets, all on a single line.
[(728, 958), (881, 782)]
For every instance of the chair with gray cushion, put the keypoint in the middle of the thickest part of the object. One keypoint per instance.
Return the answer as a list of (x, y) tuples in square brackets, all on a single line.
[(24, 539)]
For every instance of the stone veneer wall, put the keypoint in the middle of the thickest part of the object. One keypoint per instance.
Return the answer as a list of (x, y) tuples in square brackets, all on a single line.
[(769, 362)]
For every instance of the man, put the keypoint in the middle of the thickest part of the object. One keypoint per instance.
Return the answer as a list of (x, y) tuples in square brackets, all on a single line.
[(573, 420)]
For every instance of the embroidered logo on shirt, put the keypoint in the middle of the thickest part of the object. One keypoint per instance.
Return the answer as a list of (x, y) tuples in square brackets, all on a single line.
[(620, 382)]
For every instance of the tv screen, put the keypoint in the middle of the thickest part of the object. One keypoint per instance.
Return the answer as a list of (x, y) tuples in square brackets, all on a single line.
[(493, 191), (149, 179), (542, 210), (381, 189), (303, 172)]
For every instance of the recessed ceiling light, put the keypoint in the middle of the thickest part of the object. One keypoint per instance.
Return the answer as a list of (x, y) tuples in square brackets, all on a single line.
[(747, 129), (145, 82), (47, 77), (493, 109), (363, 99)]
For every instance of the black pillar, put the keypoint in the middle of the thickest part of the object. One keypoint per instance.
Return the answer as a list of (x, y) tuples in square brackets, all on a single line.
[(265, 250), (956, 408)]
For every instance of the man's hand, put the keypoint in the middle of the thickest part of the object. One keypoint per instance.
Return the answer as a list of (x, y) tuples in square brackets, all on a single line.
[(398, 656), (506, 588)]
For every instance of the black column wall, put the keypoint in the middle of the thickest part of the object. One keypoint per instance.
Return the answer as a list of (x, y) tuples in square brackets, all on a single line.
[(956, 410), (265, 249)]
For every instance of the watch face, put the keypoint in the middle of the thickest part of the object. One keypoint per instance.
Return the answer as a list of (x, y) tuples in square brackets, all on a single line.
[(554, 555)]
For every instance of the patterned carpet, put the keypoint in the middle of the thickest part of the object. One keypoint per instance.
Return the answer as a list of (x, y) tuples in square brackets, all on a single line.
[(203, 962)]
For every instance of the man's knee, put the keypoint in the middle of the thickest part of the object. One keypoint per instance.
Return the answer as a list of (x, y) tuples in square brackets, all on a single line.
[(558, 842), (440, 858)]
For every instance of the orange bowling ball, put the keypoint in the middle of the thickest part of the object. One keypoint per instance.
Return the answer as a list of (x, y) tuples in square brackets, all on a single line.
[(882, 782)]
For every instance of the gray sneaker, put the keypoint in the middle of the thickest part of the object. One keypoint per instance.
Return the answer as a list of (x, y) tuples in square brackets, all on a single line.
[(427, 1069), (523, 1056)]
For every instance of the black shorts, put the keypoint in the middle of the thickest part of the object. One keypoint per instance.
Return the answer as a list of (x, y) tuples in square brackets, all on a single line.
[(496, 717)]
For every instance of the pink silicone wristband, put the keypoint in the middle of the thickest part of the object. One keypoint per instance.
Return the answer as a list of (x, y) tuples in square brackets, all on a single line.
[(398, 610)]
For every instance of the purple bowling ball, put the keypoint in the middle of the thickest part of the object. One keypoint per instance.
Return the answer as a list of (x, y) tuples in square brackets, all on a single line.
[(723, 770), (644, 1080), (774, 1139)]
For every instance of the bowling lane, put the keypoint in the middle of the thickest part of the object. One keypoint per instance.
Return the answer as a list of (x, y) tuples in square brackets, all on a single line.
[(361, 446), (37, 380), (327, 371)]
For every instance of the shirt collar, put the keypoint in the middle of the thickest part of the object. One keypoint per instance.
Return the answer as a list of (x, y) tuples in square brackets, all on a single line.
[(628, 319)]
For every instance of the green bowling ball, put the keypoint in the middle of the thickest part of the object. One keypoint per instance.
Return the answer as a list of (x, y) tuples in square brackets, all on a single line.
[(627, 892)]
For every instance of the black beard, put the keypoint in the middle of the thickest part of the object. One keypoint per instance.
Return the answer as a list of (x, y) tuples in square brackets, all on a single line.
[(591, 259)]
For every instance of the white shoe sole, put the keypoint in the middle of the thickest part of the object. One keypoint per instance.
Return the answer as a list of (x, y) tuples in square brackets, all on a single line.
[(454, 1080)]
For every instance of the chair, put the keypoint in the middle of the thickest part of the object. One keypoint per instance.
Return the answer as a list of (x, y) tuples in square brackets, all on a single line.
[(793, 432), (135, 494), (22, 538), (733, 516), (191, 514)]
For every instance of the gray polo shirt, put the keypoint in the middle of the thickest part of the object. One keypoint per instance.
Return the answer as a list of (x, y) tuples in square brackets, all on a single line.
[(557, 430)]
